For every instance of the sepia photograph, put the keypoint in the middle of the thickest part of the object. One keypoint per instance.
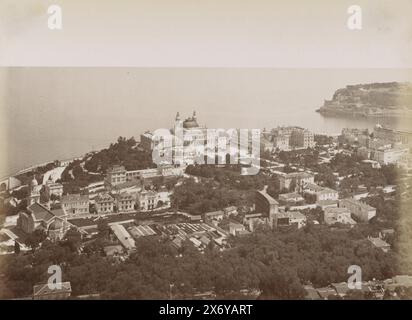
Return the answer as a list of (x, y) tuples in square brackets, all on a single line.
[(184, 151)]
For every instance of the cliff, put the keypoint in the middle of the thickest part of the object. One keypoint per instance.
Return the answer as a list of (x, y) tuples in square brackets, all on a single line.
[(371, 100)]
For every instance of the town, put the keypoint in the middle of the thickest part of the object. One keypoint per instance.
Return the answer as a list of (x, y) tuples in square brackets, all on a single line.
[(318, 205)]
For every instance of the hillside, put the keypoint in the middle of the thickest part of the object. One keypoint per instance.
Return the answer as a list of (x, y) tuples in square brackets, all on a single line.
[(371, 100)]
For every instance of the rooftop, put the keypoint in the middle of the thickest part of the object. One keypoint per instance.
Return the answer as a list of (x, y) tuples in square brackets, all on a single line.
[(268, 197), (116, 168), (124, 237), (290, 195), (358, 203), (291, 215), (379, 243), (74, 198), (39, 212), (125, 196), (301, 175), (44, 289), (103, 197), (214, 213)]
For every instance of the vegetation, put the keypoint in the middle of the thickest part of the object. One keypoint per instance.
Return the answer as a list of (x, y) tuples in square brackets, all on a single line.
[(123, 152), (277, 263), (74, 178), (219, 187)]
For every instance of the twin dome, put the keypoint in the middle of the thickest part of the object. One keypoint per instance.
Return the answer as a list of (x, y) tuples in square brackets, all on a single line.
[(190, 122)]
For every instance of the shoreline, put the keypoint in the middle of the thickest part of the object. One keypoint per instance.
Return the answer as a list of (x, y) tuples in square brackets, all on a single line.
[(31, 168)]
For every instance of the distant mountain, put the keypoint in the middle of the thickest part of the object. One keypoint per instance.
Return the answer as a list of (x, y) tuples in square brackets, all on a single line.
[(371, 100)]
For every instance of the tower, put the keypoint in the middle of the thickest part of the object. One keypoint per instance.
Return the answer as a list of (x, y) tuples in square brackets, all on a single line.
[(34, 192), (178, 124), (177, 151)]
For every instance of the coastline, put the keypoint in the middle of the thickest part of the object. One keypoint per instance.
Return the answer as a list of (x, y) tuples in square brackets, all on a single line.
[(33, 167)]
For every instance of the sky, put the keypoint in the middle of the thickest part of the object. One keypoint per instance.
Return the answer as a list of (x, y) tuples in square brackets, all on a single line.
[(212, 33)]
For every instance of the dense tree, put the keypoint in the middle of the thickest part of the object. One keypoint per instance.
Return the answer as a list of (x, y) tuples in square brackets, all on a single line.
[(72, 239), (34, 239), (123, 152), (276, 262)]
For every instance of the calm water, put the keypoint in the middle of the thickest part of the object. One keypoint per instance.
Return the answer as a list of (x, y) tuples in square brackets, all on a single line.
[(58, 113)]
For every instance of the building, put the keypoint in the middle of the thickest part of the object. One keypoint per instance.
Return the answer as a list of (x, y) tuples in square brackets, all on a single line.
[(104, 203), (163, 197), (267, 207), (334, 215), (395, 155), (379, 143), (74, 204), (142, 231), (290, 198), (287, 138), (236, 228), (311, 293), (171, 171), (9, 183), (281, 138), (214, 215), (404, 281), (265, 204), (252, 220), (53, 188), (380, 243), (36, 217), (364, 153), (394, 136), (341, 288), (34, 192), (147, 200), (58, 291), (290, 218), (267, 144), (95, 187), (191, 138), (295, 180), (124, 237), (321, 193), (327, 203), (354, 136), (114, 250), (281, 142), (9, 201), (232, 210), (147, 141), (301, 138), (149, 173), (326, 292), (359, 210), (125, 202), (183, 134), (372, 163), (116, 175)]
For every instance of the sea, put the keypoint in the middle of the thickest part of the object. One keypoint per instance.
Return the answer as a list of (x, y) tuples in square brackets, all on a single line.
[(61, 113)]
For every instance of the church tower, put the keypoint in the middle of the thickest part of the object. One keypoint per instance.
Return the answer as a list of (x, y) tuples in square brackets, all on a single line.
[(34, 192), (178, 124)]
